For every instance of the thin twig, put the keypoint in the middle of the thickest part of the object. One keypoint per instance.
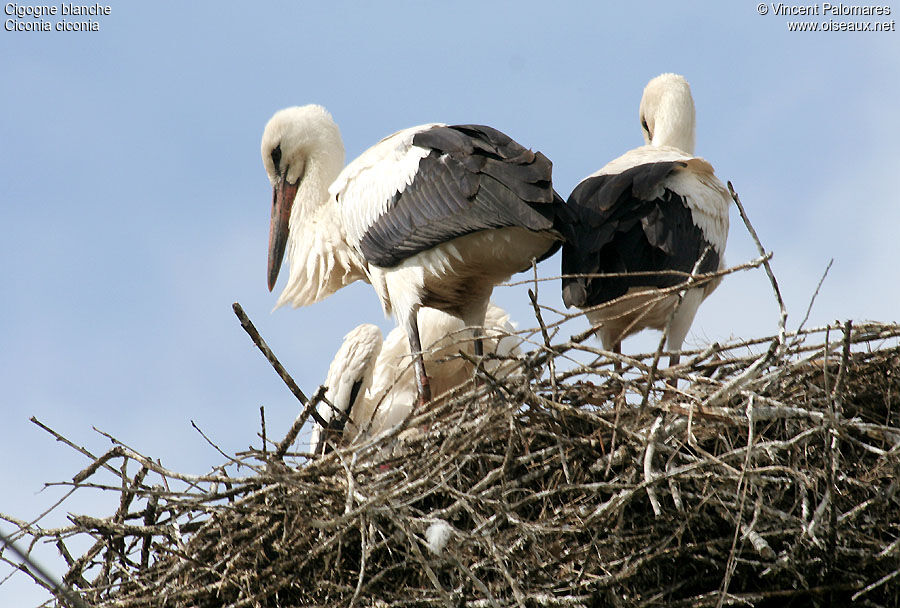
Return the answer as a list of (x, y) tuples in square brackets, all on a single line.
[(762, 252), (65, 595), (262, 425), (299, 421), (251, 330), (812, 300)]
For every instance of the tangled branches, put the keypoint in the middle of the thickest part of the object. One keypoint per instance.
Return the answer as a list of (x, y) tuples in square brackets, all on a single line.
[(739, 489), (763, 472)]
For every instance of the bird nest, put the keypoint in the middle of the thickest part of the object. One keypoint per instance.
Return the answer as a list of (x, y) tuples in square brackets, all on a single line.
[(769, 477)]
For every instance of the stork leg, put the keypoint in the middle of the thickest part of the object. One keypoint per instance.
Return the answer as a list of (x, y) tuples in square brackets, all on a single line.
[(415, 348), (618, 367), (478, 345), (473, 315), (674, 345), (479, 342), (680, 325)]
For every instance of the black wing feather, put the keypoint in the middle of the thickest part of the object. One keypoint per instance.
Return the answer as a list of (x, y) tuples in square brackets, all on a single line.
[(475, 178), (619, 224)]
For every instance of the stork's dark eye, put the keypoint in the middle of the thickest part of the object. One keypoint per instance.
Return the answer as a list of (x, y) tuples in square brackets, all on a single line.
[(644, 125), (276, 157)]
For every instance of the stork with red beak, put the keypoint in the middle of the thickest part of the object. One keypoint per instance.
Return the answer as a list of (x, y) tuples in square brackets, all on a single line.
[(432, 216)]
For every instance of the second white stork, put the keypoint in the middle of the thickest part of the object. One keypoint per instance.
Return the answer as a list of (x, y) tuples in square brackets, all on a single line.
[(432, 216), (655, 209), (371, 386)]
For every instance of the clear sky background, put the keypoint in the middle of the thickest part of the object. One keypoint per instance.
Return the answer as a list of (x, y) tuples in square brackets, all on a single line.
[(134, 206)]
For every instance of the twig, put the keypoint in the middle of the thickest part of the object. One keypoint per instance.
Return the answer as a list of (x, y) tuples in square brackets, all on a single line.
[(62, 592), (251, 330), (299, 421), (762, 252), (649, 475), (262, 424), (842, 370), (742, 495), (812, 300), (546, 336), (876, 584), (239, 463)]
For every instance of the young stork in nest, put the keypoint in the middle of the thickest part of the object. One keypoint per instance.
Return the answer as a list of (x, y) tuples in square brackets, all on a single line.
[(655, 208), (370, 382), (432, 216)]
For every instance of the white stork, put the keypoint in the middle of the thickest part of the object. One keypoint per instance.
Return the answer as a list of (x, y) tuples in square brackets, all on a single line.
[(431, 216), (655, 208), (370, 382)]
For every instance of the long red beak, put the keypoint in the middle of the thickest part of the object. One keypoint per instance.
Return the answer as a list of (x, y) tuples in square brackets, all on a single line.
[(282, 200)]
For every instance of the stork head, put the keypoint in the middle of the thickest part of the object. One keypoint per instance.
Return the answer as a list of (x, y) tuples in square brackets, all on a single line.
[(302, 151), (667, 113)]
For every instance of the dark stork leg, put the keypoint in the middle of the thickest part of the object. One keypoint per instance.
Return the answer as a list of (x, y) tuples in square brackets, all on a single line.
[(415, 349), (478, 345), (617, 385), (331, 435), (473, 316), (617, 365)]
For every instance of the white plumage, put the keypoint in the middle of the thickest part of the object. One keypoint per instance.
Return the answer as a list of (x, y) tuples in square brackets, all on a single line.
[(437, 535), (371, 382), (431, 216), (655, 208)]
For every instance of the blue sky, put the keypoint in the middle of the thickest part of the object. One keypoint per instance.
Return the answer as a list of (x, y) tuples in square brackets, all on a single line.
[(134, 206)]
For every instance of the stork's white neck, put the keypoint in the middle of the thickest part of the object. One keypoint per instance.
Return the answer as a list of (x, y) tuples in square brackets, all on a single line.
[(675, 120), (667, 112), (321, 262), (322, 168)]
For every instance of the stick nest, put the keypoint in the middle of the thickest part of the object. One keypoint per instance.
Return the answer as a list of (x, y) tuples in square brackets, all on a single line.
[(768, 478)]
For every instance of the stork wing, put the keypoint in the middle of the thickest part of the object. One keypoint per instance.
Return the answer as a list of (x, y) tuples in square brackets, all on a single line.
[(347, 374), (631, 221), (469, 178)]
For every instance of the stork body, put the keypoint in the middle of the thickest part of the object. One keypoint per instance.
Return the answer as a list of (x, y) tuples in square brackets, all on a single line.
[(370, 381), (655, 208), (432, 216)]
